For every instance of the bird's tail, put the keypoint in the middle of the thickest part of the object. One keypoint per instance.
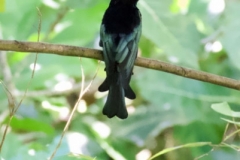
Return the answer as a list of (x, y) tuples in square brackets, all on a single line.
[(115, 105), (128, 92)]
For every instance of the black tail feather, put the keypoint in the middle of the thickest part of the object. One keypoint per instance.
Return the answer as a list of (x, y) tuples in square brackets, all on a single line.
[(129, 93), (115, 105), (104, 86)]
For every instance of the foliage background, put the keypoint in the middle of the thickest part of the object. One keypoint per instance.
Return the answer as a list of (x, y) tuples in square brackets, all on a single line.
[(169, 110)]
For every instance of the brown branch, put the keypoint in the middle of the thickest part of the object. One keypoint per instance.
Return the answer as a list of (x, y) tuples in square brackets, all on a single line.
[(66, 50)]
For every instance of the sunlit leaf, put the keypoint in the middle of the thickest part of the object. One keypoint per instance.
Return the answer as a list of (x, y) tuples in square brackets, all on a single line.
[(225, 109), (28, 124)]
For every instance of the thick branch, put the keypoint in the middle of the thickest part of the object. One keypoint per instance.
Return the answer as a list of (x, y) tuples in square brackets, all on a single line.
[(66, 50)]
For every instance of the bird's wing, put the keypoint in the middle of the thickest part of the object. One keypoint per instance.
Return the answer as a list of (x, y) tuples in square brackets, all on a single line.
[(126, 51), (107, 44), (107, 41)]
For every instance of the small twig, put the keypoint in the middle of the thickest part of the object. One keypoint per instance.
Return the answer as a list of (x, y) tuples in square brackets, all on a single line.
[(82, 92), (14, 109), (9, 88), (236, 126), (11, 104), (231, 134), (224, 138), (35, 62), (7, 83), (205, 154), (6, 71), (66, 50), (10, 97), (48, 92), (223, 143)]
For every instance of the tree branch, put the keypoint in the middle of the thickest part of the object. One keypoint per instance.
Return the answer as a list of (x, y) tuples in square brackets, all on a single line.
[(66, 50)]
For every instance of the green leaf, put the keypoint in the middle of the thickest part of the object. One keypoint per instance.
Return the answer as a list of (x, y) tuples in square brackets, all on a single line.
[(231, 34), (28, 124), (176, 35), (26, 20), (198, 131), (82, 26), (225, 109)]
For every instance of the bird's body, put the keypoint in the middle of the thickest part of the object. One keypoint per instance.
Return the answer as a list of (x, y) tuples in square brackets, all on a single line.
[(120, 33)]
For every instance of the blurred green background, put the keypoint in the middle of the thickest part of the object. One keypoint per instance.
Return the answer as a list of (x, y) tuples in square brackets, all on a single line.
[(169, 110)]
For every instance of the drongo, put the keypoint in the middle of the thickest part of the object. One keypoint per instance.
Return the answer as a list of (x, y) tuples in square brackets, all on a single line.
[(119, 36)]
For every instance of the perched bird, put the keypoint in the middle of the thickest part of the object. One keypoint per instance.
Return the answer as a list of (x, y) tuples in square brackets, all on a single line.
[(119, 36)]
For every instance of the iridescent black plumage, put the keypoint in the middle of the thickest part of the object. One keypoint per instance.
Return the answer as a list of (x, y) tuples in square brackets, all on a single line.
[(120, 33)]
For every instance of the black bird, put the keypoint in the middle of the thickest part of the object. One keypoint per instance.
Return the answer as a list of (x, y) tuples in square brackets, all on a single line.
[(119, 36)]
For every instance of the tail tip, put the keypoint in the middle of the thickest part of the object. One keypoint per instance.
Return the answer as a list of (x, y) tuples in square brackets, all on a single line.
[(110, 114)]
